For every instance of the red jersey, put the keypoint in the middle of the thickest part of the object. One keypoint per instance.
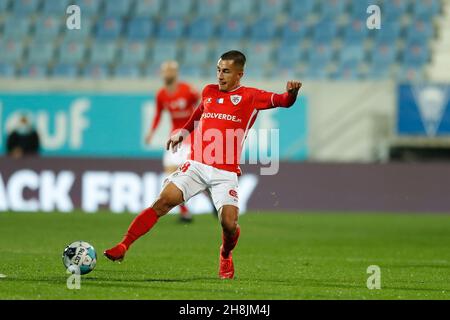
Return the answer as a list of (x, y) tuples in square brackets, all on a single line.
[(180, 104), (224, 121)]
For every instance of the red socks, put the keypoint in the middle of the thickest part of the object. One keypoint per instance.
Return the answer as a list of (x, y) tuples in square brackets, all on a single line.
[(140, 226), (184, 210), (229, 242)]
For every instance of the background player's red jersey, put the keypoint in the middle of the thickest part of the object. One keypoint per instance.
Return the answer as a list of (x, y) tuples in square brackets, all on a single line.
[(180, 104)]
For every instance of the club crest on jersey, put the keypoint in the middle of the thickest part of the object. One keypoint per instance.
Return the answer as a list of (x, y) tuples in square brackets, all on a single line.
[(235, 99)]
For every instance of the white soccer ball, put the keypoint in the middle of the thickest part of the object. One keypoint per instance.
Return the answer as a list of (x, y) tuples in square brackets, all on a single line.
[(79, 257)]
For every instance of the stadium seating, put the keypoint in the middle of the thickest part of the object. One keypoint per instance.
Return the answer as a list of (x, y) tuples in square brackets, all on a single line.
[(176, 8), (210, 8), (48, 27), (89, 8), (109, 28), (7, 70), (103, 52), (133, 53), (171, 28), (62, 70), (315, 38), (52, 7), (140, 29), (117, 8), (148, 8), (25, 7), (201, 29), (195, 54)]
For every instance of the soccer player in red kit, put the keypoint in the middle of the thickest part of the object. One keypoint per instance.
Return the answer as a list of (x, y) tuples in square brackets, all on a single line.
[(224, 107), (179, 99)]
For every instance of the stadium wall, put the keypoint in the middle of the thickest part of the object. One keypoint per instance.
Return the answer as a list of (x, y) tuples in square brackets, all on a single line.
[(129, 185)]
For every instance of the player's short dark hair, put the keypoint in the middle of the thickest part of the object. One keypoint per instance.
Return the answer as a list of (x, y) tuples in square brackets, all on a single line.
[(237, 56)]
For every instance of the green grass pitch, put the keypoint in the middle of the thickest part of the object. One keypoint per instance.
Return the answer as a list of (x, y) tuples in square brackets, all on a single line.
[(279, 256)]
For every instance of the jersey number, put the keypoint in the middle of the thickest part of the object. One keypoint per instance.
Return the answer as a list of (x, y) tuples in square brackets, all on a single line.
[(185, 167)]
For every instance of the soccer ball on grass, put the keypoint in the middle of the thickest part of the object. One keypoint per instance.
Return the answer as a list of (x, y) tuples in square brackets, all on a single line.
[(79, 257)]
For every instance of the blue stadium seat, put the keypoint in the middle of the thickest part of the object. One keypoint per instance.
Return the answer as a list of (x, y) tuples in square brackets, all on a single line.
[(52, 7), (34, 71), (71, 52), (171, 28), (62, 70), (388, 34), (48, 27), (351, 54), (332, 8), (259, 54), (232, 29), (301, 9), (426, 9), (316, 72), (201, 28), (4, 5), (109, 28), (271, 8), (89, 8), (117, 8), (355, 32), (25, 7), (177, 8), (347, 71), (7, 70), (383, 55), (415, 55), (358, 8), (224, 46), (294, 31), (240, 9), (264, 29), (153, 71), (255, 71), (379, 72), (420, 31), (103, 52), (140, 29), (325, 31), (195, 54), (394, 9), (289, 55), (163, 51), (16, 27), (191, 71), (133, 53), (320, 55), (210, 8), (127, 71), (148, 8), (410, 74), (12, 51), (96, 71), (40, 52)]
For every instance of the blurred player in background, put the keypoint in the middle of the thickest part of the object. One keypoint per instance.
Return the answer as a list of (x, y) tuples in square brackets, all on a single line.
[(179, 99), (225, 106)]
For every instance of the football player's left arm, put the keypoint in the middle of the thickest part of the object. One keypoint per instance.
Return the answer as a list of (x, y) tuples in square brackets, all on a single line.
[(268, 100)]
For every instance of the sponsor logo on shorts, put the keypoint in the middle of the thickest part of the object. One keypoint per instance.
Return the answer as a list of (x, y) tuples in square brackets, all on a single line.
[(233, 193)]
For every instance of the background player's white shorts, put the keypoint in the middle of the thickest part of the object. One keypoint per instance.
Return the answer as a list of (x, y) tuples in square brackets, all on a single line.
[(176, 159), (194, 177)]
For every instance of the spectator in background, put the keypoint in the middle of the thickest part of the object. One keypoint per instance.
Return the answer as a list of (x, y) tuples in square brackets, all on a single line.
[(23, 140)]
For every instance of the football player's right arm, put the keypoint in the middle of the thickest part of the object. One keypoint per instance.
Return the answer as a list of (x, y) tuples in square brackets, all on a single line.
[(181, 134)]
